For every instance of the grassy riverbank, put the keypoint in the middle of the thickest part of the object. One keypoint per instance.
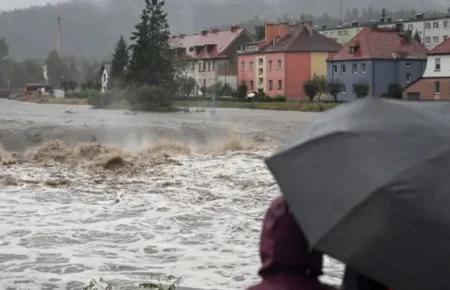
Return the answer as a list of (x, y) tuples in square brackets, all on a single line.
[(276, 106)]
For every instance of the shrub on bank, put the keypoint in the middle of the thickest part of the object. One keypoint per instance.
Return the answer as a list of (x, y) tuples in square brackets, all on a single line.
[(152, 98)]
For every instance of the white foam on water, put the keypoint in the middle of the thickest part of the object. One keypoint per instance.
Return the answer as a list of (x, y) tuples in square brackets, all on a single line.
[(197, 217)]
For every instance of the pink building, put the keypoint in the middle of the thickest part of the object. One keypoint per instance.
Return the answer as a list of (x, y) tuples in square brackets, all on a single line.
[(288, 56), (210, 56)]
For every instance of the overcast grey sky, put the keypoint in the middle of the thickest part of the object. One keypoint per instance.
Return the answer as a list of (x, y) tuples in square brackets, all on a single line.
[(11, 4)]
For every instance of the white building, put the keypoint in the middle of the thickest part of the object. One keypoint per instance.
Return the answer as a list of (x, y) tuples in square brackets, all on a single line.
[(106, 78), (432, 31)]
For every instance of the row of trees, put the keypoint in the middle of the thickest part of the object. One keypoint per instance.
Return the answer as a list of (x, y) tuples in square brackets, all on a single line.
[(319, 86), (66, 73), (147, 65)]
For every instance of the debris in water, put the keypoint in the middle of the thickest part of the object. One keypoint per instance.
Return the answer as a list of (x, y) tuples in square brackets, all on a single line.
[(115, 163), (57, 182), (8, 180)]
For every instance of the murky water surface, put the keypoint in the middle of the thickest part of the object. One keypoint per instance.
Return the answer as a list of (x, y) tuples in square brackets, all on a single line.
[(68, 215)]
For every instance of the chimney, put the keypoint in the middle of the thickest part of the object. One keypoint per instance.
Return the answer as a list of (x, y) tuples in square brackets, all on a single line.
[(420, 16), (355, 24), (389, 20), (205, 32), (234, 28), (398, 27), (276, 31), (59, 36)]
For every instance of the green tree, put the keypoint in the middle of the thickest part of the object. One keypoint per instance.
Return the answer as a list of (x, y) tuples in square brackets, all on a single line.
[(311, 89), (417, 36), (187, 86), (361, 90), (242, 91), (321, 83), (395, 91), (334, 88), (57, 69), (151, 57), (119, 62), (4, 49)]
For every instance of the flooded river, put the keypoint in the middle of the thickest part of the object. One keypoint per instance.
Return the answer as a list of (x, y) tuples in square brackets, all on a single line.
[(135, 197)]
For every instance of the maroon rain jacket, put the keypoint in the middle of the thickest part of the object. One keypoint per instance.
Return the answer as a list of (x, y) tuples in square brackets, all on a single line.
[(287, 262)]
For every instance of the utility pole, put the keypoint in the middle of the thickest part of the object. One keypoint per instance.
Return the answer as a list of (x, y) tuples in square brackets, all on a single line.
[(59, 36)]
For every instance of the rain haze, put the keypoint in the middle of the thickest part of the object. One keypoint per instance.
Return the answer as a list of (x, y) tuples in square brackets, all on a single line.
[(146, 154)]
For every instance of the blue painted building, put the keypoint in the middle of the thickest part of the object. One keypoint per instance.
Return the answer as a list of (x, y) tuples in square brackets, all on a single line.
[(378, 58)]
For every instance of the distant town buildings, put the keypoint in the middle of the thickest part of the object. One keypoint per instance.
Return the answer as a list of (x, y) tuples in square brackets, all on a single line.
[(377, 57), (435, 83), (211, 56), (288, 56), (432, 31)]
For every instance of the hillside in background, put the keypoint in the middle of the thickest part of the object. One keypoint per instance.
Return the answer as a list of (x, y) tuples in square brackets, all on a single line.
[(91, 27)]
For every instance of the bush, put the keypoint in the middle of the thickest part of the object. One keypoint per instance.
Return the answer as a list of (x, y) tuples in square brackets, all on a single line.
[(242, 91), (152, 98), (395, 91), (361, 90), (228, 91), (311, 89), (280, 99), (334, 87)]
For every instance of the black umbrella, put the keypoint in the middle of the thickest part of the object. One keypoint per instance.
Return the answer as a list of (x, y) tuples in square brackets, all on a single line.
[(369, 183)]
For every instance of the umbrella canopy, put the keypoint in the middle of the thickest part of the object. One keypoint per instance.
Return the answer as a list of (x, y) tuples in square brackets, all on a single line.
[(369, 183)]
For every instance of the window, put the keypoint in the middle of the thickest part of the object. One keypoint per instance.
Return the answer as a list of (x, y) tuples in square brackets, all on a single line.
[(280, 64), (437, 88), (344, 89), (410, 27), (199, 66), (335, 68), (427, 40), (209, 66), (270, 64), (260, 81), (343, 68), (260, 71), (204, 66), (446, 24), (435, 39), (193, 67), (408, 77), (354, 68), (260, 61), (242, 66), (408, 64), (251, 65), (435, 25), (280, 84), (445, 37), (252, 85), (213, 65), (363, 68), (428, 25), (270, 85), (437, 64)]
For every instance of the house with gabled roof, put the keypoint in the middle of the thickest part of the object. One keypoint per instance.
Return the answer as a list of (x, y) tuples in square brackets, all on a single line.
[(377, 57), (288, 56), (210, 56), (435, 82)]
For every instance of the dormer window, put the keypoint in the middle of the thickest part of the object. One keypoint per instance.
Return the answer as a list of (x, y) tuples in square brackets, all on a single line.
[(353, 48)]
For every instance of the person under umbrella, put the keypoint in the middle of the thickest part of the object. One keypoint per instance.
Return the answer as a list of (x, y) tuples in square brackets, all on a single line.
[(287, 263)]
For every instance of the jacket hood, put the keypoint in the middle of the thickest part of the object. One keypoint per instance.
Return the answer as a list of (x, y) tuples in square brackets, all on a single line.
[(283, 245)]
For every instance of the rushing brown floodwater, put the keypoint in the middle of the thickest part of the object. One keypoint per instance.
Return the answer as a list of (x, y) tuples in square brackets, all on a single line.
[(132, 198)]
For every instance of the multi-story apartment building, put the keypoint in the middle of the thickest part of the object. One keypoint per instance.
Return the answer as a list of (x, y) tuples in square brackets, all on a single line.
[(377, 57), (288, 56), (432, 31), (211, 56)]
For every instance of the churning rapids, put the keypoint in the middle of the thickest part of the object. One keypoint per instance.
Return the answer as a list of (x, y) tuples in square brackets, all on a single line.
[(135, 197)]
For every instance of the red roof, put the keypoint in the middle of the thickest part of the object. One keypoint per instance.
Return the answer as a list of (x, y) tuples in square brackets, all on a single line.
[(302, 38), (208, 44), (443, 48), (378, 43)]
